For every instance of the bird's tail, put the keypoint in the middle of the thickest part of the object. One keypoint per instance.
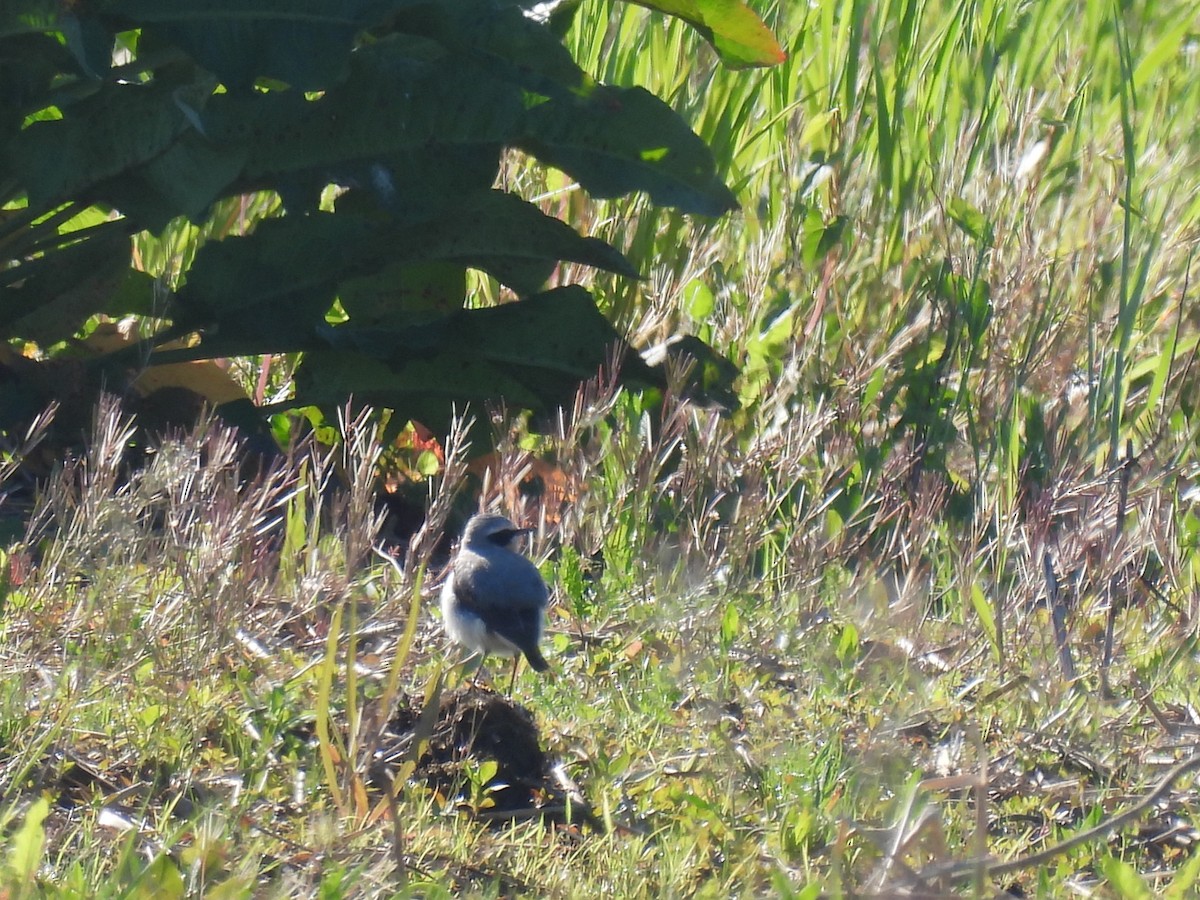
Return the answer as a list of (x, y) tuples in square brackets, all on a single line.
[(536, 661)]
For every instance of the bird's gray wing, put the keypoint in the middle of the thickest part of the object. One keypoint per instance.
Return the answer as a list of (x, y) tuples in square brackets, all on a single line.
[(512, 607), (511, 583)]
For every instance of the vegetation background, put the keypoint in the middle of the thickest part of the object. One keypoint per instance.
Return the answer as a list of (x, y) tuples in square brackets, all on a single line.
[(929, 594)]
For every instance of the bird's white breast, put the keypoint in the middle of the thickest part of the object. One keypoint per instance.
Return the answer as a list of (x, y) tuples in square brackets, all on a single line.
[(467, 629)]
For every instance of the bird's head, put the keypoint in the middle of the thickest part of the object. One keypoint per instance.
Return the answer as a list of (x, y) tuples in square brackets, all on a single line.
[(489, 528)]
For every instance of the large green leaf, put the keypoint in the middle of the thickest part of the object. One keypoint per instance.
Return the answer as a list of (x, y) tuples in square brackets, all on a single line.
[(90, 42), (618, 140), (398, 290), (529, 354), (29, 16), (733, 28), (304, 43), (28, 65), (46, 298), (394, 105), (120, 127), (291, 267), (184, 180), (406, 106), (513, 45)]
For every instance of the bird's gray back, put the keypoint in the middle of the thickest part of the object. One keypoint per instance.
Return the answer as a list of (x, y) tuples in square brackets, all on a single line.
[(495, 576)]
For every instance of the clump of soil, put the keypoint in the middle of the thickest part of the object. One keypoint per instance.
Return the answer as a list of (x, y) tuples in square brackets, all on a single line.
[(475, 725), (482, 725)]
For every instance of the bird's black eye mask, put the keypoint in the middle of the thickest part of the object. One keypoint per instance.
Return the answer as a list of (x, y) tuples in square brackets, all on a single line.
[(506, 536)]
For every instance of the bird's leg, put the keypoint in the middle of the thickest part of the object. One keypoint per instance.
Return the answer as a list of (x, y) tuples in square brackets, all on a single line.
[(469, 668), (512, 682)]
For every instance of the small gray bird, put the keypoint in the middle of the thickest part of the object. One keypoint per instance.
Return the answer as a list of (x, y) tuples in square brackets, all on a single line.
[(494, 600)]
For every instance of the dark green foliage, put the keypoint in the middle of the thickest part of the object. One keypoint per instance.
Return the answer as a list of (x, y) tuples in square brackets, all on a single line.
[(407, 108)]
